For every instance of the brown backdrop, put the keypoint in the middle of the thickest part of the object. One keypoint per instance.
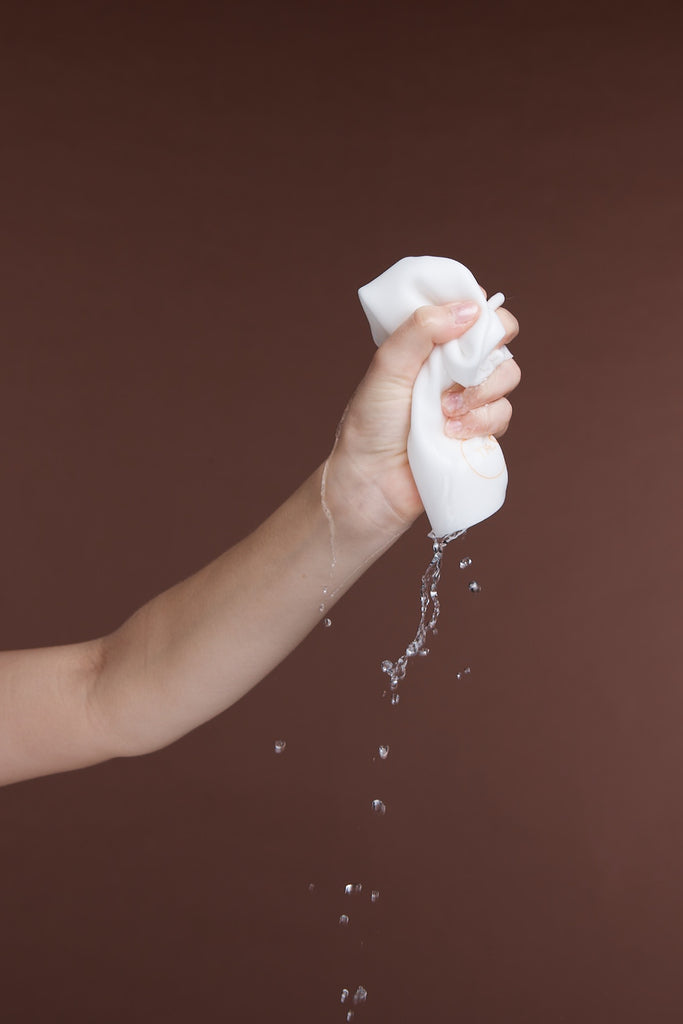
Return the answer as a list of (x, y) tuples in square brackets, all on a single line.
[(190, 196)]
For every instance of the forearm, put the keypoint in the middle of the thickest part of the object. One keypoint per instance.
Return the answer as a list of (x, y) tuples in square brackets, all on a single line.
[(197, 648), (194, 650)]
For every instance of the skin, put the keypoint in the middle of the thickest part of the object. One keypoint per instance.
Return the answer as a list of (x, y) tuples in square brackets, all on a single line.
[(194, 650)]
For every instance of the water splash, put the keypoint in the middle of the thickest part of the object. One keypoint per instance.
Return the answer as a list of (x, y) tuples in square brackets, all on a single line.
[(429, 615)]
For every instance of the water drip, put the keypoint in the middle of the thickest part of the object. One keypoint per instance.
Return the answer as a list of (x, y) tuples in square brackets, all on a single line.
[(360, 995), (429, 614)]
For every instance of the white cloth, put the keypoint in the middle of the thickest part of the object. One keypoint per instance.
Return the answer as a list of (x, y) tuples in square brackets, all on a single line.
[(460, 482)]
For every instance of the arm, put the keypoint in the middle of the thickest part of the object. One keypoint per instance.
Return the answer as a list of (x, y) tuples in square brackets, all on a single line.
[(195, 649)]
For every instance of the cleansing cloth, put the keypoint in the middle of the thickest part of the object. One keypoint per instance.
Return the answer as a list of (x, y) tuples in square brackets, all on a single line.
[(461, 482)]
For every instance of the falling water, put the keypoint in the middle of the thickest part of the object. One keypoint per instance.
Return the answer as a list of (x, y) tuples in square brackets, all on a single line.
[(396, 671), (429, 615)]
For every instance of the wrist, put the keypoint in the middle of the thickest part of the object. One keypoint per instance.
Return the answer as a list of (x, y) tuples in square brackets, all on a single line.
[(356, 502)]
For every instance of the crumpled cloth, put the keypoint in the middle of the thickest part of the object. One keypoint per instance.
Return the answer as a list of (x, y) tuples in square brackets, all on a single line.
[(461, 482)]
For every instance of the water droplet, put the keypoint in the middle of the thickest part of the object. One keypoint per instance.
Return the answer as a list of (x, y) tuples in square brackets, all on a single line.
[(395, 698), (465, 563), (350, 1015), (321, 607), (387, 666), (327, 623), (474, 587), (393, 685), (467, 671), (379, 807), (374, 895), (344, 995), (311, 887), (344, 920), (458, 675), (324, 591), (280, 746), (383, 751), (360, 995), (353, 888)]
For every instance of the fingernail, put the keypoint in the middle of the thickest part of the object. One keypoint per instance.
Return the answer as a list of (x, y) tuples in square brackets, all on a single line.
[(454, 428), (453, 402), (463, 312)]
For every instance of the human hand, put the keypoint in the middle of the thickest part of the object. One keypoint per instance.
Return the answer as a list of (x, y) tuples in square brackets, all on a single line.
[(368, 473)]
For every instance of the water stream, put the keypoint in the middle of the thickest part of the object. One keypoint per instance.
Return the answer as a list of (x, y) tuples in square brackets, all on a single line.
[(353, 997), (429, 616), (430, 609)]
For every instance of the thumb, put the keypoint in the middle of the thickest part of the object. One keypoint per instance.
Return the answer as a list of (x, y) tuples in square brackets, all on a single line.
[(404, 351)]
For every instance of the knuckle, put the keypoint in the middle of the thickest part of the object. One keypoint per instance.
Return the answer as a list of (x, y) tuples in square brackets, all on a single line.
[(425, 319), (505, 410), (514, 372), (510, 323), (494, 417)]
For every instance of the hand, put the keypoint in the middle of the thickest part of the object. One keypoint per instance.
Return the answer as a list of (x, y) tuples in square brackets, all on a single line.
[(368, 474)]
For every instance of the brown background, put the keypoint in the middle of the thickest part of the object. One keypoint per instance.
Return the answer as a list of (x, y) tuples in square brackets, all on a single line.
[(190, 197)]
